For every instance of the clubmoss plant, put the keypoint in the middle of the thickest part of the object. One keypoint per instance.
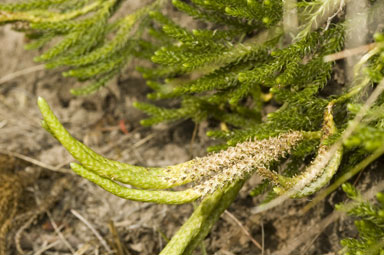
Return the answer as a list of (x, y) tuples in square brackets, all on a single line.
[(264, 71), (369, 223), (92, 43)]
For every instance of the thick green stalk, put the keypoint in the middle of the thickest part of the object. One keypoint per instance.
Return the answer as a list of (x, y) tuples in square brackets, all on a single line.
[(195, 229), (153, 196), (137, 176)]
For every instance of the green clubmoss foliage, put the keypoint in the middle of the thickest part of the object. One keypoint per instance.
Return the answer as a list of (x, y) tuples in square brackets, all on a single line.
[(264, 71), (369, 223)]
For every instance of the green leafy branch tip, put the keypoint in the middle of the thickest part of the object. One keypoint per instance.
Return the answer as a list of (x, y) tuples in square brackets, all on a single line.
[(322, 168), (213, 172), (86, 36), (369, 220), (156, 196), (105, 172)]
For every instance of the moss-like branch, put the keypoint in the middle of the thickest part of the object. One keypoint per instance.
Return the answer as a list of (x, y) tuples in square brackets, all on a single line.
[(137, 176), (195, 229), (154, 196)]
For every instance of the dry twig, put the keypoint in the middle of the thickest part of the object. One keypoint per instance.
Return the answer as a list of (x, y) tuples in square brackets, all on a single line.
[(43, 206), (94, 231), (58, 232), (349, 52), (19, 73), (36, 162), (246, 232)]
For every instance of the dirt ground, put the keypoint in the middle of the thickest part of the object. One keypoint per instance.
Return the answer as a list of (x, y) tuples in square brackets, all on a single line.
[(50, 210)]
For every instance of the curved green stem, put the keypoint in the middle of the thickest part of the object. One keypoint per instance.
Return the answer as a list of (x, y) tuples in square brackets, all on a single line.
[(195, 229), (134, 175), (322, 169), (354, 91), (345, 177), (154, 196)]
